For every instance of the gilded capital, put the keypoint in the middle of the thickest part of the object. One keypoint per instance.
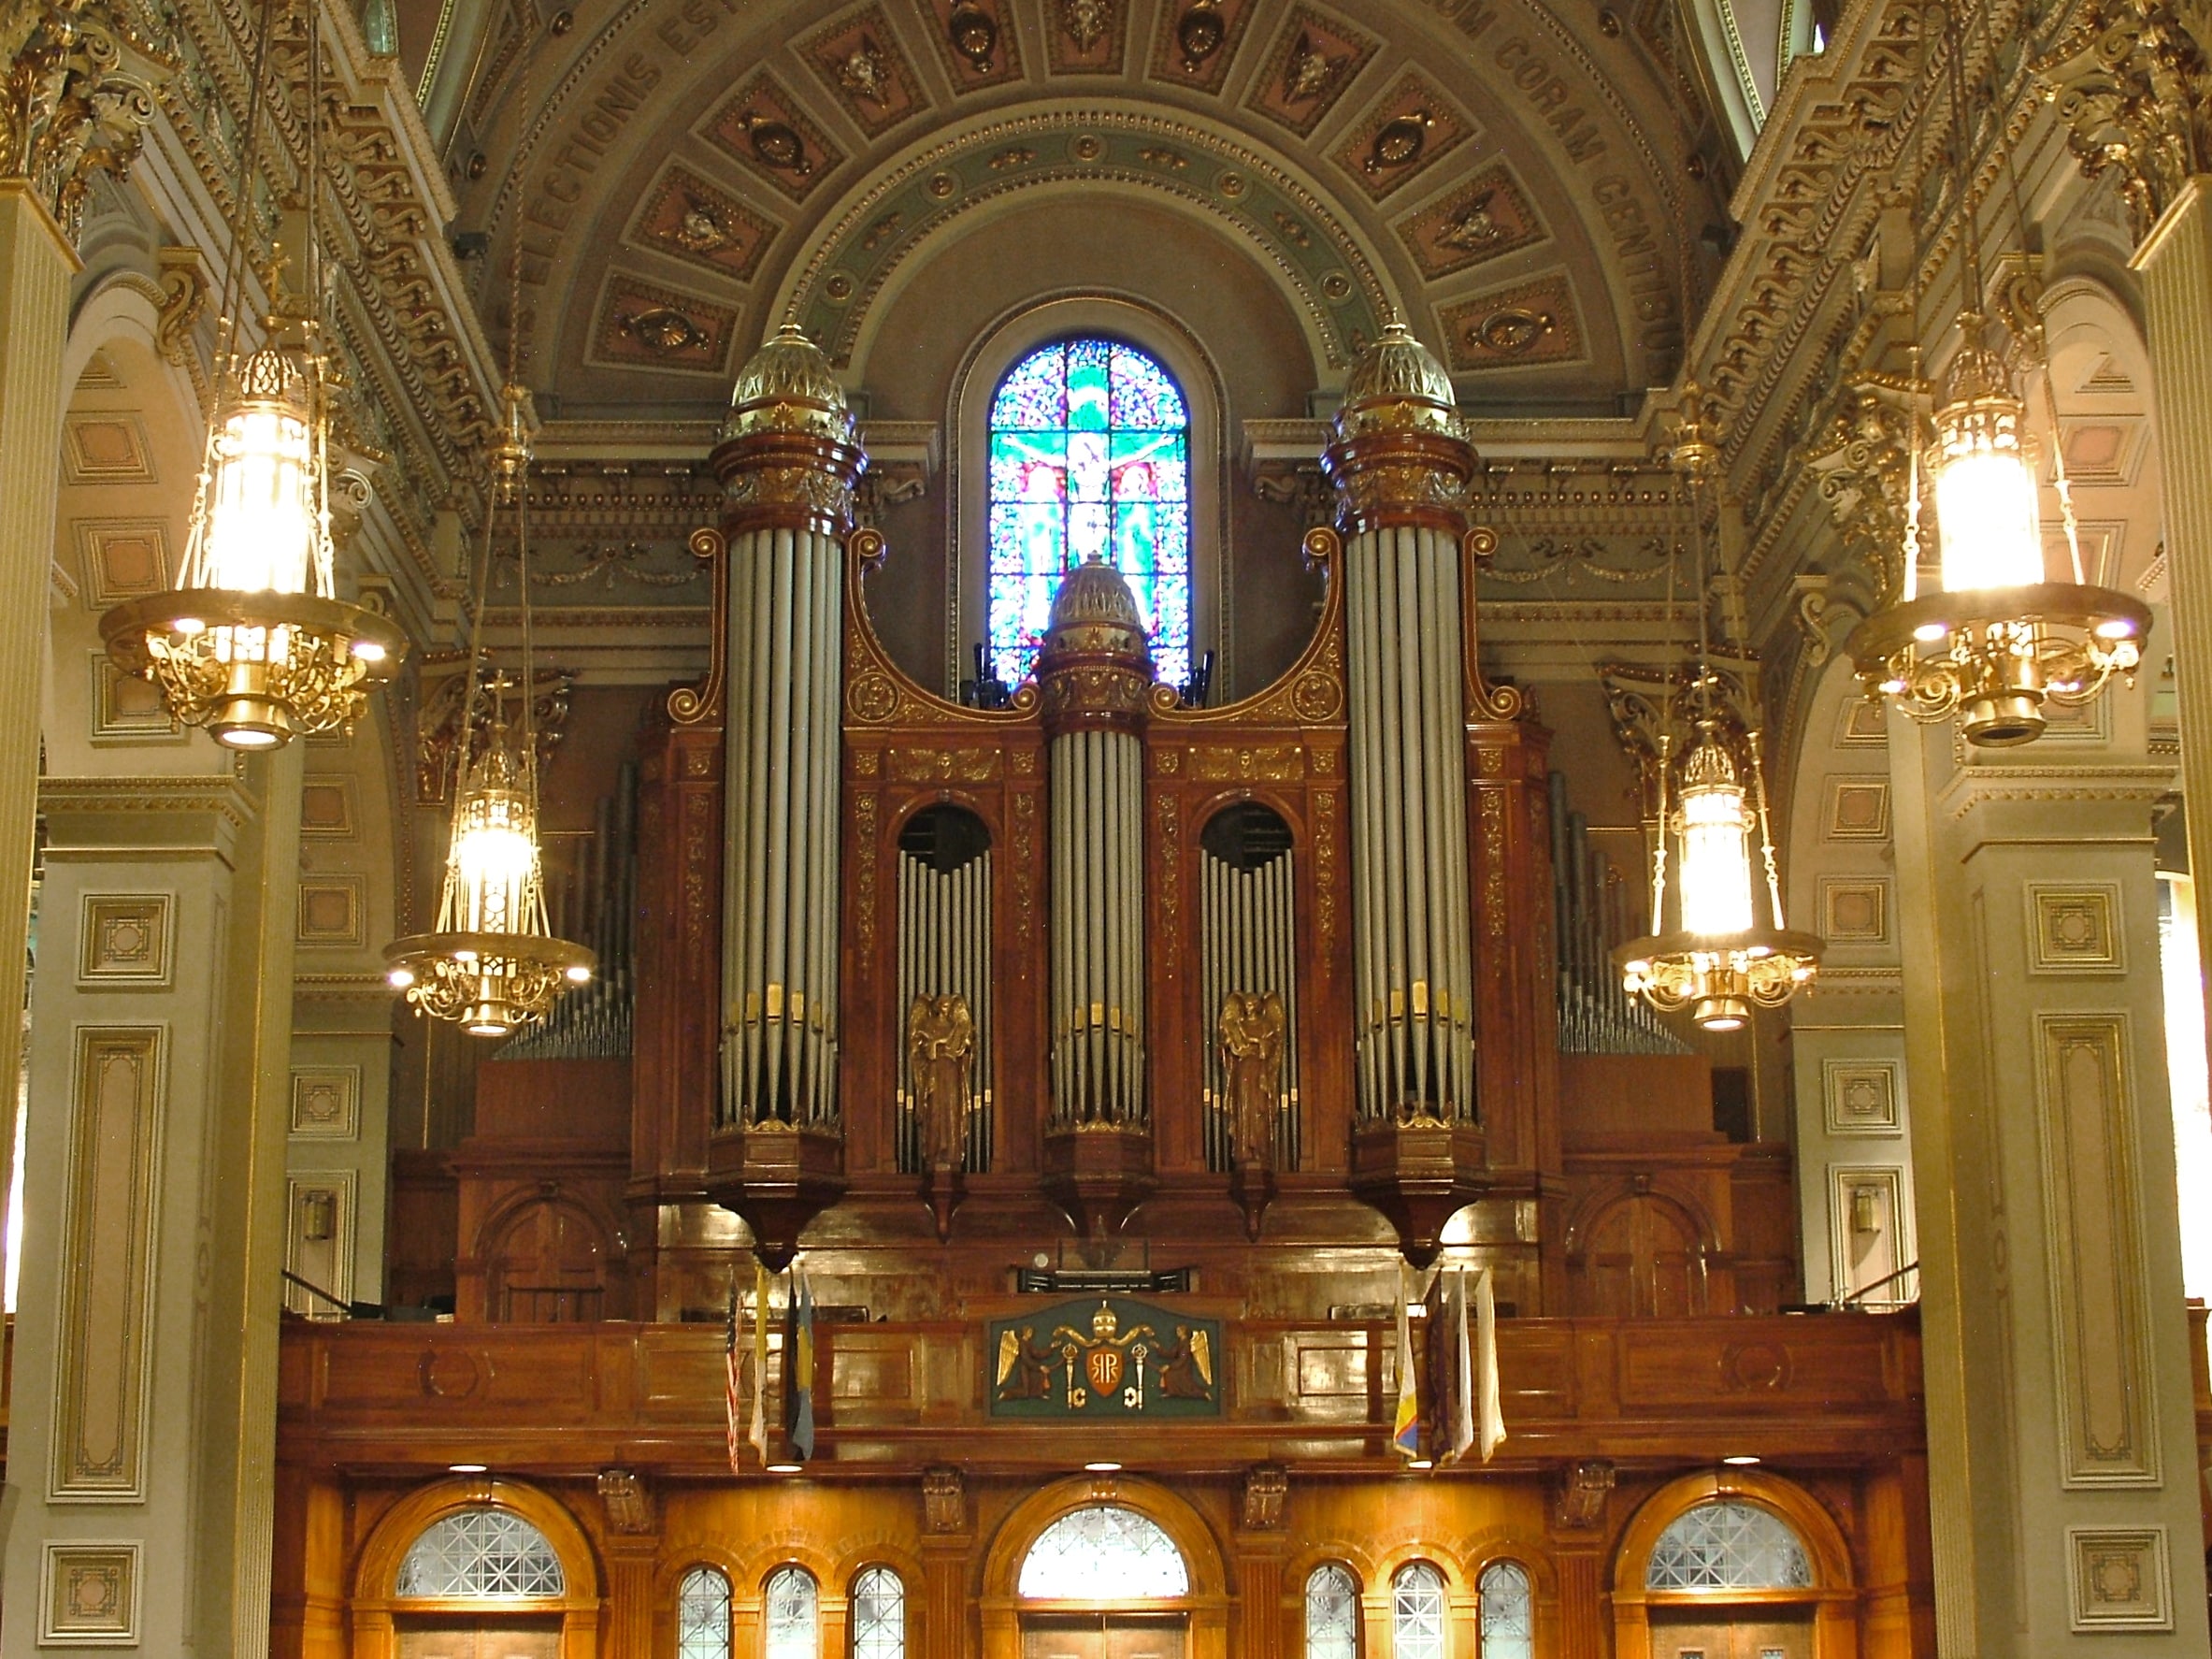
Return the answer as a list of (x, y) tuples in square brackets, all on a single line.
[(790, 452), (82, 80), (2134, 89), (1095, 668), (1398, 453)]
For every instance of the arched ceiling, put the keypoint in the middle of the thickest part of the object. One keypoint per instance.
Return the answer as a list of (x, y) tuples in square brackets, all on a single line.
[(1519, 181)]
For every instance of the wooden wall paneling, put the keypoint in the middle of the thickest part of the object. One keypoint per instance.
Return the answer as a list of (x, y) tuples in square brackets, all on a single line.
[(308, 1584), (1177, 1029), (1324, 961), (869, 1022), (676, 1066), (1021, 984)]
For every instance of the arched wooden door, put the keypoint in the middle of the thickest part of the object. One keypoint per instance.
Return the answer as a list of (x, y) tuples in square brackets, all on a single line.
[(1641, 1256)]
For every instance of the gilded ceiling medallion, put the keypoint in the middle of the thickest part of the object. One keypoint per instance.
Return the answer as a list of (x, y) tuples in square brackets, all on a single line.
[(1085, 36), (1533, 322), (1402, 137), (1195, 41), (1312, 63), (1086, 21), (974, 35)]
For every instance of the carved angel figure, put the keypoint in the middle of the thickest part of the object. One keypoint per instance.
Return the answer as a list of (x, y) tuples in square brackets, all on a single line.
[(1250, 1032), (1187, 1364), (1024, 1367), (940, 1049)]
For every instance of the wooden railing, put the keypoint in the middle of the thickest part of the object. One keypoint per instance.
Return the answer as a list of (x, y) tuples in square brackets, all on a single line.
[(906, 1396)]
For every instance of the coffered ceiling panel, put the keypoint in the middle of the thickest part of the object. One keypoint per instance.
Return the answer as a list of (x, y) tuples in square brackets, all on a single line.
[(696, 169)]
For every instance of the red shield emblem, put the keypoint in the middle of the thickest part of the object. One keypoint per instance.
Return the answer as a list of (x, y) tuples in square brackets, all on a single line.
[(1103, 1366)]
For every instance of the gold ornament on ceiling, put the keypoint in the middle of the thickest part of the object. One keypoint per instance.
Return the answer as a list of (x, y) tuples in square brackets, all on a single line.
[(1086, 21)]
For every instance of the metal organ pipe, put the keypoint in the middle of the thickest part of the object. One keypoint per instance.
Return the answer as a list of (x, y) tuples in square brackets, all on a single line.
[(1399, 460), (945, 933), (1249, 945), (1596, 1015), (789, 463), (1094, 673)]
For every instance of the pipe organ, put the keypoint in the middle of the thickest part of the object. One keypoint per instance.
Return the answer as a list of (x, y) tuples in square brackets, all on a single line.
[(1332, 899), (1589, 911)]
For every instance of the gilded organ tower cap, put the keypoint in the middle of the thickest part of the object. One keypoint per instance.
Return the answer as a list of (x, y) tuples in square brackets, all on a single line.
[(790, 452), (1094, 666), (1398, 452)]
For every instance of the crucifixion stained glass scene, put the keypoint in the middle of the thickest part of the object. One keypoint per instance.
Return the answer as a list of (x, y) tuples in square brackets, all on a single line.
[(1090, 458)]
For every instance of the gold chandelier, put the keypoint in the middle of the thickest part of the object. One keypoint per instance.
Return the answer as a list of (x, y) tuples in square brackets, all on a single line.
[(1716, 958), (494, 964), (253, 643), (1999, 644)]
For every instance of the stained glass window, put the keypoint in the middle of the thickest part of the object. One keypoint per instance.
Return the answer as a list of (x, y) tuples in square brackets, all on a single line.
[(1417, 1612), (702, 1615), (1104, 1554), (1090, 457), (789, 1615), (1509, 1615), (878, 1615), (1332, 1613), (1727, 1545), (483, 1553)]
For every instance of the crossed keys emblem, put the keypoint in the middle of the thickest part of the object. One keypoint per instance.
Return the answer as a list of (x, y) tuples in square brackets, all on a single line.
[(1103, 1358), (1105, 1365)]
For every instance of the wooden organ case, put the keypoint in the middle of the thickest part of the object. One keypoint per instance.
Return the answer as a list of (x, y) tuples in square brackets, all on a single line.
[(1096, 994), (908, 756)]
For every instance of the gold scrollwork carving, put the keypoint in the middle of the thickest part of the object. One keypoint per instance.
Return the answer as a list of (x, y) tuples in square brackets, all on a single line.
[(967, 766), (864, 882), (1270, 763), (871, 698), (690, 704)]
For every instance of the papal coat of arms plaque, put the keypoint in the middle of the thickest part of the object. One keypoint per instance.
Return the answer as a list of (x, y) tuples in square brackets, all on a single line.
[(1105, 1356)]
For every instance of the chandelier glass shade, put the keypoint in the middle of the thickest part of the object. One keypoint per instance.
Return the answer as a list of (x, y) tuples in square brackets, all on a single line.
[(253, 643), (1716, 960), (1714, 828), (494, 965), (2000, 645)]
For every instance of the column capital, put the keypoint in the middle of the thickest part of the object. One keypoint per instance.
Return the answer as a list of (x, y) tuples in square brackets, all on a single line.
[(2133, 82), (82, 80)]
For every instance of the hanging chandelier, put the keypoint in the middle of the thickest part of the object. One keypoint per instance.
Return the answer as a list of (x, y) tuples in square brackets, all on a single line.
[(1708, 951), (253, 643), (1999, 644), (494, 964)]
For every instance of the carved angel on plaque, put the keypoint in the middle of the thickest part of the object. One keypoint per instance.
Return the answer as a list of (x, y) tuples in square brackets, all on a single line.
[(939, 1051), (1250, 1032)]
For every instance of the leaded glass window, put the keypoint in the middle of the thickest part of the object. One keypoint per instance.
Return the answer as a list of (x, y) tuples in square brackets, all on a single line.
[(1417, 1612), (1509, 1612), (1104, 1554), (481, 1554), (1332, 1612), (702, 1615), (789, 1615), (1090, 458), (878, 1615), (1727, 1545)]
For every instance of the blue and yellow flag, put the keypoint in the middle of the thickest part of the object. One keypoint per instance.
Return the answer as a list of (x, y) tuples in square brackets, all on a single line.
[(1405, 1433)]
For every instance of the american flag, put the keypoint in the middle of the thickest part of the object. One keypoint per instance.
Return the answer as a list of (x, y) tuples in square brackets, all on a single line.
[(733, 1392)]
